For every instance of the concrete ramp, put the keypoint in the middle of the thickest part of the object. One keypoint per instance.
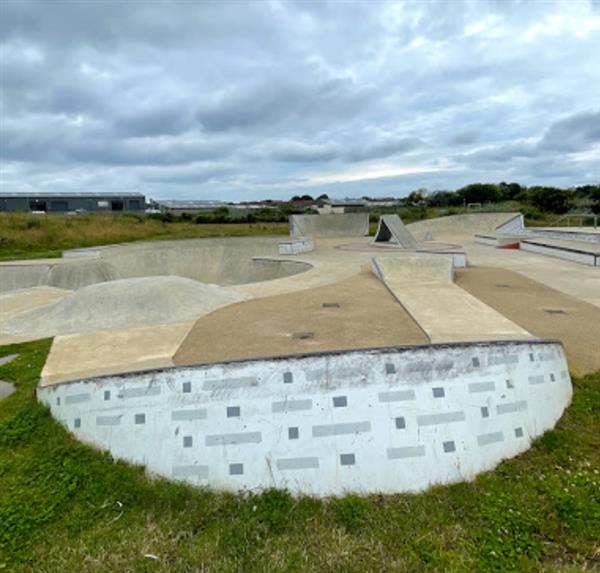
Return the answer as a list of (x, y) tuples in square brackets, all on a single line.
[(467, 224), (391, 229), (424, 286), (331, 225)]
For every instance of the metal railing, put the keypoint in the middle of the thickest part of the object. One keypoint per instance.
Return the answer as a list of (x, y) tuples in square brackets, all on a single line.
[(581, 217)]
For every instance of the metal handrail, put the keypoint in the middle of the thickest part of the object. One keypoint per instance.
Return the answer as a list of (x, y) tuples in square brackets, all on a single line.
[(580, 216)]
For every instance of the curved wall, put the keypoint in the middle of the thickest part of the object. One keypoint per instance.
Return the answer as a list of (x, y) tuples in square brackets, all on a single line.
[(227, 261), (378, 420)]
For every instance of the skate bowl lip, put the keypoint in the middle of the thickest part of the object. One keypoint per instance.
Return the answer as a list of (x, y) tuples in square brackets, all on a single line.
[(379, 350), (188, 258)]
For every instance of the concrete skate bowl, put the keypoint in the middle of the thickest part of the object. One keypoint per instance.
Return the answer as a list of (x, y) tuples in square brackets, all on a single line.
[(226, 261), (391, 419)]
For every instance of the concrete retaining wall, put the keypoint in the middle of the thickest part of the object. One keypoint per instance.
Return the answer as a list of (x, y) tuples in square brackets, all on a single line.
[(379, 420), (331, 225)]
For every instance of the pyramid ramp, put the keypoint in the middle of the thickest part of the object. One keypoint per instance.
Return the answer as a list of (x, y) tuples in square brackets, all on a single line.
[(391, 229)]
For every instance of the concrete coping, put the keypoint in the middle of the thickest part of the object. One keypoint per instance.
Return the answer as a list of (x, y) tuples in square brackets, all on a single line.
[(405, 348)]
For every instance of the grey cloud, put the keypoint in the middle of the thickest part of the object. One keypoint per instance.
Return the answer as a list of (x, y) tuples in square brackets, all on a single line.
[(573, 133), (258, 98)]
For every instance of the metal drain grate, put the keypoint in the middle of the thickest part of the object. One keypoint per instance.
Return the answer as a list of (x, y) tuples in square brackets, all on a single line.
[(554, 311), (503, 286), (303, 335), (331, 305)]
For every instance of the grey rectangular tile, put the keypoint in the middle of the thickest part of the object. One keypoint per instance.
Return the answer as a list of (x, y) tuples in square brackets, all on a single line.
[(190, 471), (297, 463), (330, 373), (491, 438), (511, 407), (475, 387), (153, 390), (233, 439), (77, 398), (108, 420), (405, 452), (230, 383), (441, 418), (503, 359), (188, 415), (326, 430), (538, 379), (396, 395), (291, 405)]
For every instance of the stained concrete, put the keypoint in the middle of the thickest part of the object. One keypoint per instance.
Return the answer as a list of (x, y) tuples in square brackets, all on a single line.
[(366, 315), (543, 311)]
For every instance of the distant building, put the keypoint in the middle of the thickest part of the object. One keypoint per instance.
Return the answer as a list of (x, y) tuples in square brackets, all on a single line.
[(188, 205), (68, 202)]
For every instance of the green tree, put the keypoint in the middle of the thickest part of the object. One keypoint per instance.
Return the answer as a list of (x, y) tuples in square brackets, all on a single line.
[(480, 193), (550, 199)]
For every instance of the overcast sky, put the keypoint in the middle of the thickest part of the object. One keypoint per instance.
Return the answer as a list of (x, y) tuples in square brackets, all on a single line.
[(243, 100)]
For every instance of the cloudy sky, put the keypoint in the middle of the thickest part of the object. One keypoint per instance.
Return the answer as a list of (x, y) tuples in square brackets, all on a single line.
[(241, 100)]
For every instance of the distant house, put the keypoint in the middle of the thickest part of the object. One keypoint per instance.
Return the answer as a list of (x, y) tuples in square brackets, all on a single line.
[(69, 202)]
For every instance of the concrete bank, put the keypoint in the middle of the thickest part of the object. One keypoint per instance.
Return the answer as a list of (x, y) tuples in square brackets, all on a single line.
[(381, 420)]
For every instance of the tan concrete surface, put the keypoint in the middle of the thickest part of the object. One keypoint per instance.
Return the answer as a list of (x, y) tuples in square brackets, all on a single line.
[(526, 302), (367, 316), (423, 285), (571, 278), (77, 356), (12, 304)]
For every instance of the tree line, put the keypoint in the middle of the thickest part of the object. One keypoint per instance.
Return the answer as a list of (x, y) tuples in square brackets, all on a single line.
[(549, 199)]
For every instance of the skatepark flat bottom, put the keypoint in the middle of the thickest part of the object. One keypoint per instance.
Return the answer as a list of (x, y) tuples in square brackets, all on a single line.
[(543, 311), (355, 313)]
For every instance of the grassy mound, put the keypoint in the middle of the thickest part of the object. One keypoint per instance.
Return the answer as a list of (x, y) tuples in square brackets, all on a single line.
[(66, 507)]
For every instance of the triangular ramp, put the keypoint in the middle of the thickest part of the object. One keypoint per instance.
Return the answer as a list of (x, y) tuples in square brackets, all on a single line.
[(391, 229)]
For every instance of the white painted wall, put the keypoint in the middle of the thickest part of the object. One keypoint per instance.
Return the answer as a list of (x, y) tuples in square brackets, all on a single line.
[(383, 420)]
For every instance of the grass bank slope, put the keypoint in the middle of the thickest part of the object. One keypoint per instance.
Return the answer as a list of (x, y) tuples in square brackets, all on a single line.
[(25, 236)]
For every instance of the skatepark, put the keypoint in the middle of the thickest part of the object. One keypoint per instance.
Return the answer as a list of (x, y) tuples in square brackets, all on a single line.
[(323, 362)]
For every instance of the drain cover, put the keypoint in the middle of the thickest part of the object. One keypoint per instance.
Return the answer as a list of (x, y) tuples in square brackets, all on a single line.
[(503, 286), (331, 305), (554, 311), (303, 335)]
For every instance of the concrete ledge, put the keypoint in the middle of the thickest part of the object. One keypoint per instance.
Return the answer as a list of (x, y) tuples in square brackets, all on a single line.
[(380, 420), (578, 254), (296, 246)]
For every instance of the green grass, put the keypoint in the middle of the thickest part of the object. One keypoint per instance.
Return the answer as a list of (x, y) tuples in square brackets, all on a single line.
[(26, 236), (67, 507)]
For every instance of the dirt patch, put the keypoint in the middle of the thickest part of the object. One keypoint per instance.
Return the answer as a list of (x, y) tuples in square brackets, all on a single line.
[(366, 315), (541, 310)]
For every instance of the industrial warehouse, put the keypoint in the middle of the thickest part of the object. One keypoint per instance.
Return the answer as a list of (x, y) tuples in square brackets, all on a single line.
[(47, 202)]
